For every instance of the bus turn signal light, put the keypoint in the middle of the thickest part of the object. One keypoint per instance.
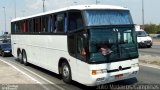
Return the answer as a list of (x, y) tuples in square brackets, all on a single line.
[(94, 72)]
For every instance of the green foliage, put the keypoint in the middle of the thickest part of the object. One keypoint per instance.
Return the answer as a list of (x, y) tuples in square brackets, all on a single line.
[(152, 28)]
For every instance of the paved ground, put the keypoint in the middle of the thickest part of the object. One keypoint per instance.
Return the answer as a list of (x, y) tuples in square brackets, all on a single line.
[(156, 41), (12, 78), (9, 75), (45, 80), (151, 55)]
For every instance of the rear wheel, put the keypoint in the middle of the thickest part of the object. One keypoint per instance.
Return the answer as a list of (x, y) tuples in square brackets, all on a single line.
[(66, 72), (24, 58), (19, 57)]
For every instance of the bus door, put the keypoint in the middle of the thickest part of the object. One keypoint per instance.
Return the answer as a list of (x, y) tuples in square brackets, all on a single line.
[(82, 55)]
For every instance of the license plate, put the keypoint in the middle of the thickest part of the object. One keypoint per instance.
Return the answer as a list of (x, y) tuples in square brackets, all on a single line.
[(148, 43), (119, 76)]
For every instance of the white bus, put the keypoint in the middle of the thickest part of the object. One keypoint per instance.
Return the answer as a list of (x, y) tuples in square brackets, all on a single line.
[(90, 44)]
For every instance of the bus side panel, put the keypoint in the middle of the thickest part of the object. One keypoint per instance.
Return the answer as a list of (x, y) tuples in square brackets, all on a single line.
[(42, 50)]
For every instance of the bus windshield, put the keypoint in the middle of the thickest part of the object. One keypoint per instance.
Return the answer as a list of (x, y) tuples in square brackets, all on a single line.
[(112, 44), (107, 17)]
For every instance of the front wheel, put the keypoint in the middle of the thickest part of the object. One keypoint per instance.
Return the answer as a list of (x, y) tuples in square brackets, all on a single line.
[(66, 73)]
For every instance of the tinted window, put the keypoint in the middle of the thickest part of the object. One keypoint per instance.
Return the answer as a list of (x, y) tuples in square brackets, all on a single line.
[(107, 17), (60, 23), (52, 23), (81, 47), (112, 44), (37, 24), (75, 21), (71, 45)]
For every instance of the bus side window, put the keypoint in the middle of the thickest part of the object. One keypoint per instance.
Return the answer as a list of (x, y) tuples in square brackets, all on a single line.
[(60, 22), (65, 23), (24, 26), (79, 22), (75, 21), (29, 25), (72, 23), (50, 25), (13, 25), (18, 27), (55, 24), (37, 24), (43, 24)]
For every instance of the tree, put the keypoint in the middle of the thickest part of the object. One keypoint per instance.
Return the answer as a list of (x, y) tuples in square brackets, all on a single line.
[(152, 28)]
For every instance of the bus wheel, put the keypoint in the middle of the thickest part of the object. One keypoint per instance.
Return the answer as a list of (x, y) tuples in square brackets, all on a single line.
[(66, 72), (19, 57), (24, 58)]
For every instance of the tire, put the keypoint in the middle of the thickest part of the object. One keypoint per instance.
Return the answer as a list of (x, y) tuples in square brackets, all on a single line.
[(149, 46), (66, 73), (3, 54), (24, 58), (19, 57)]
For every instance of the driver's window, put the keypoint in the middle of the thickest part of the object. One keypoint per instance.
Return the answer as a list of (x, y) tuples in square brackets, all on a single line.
[(81, 48)]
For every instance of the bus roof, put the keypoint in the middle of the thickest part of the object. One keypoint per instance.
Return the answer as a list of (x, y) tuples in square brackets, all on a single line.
[(76, 7)]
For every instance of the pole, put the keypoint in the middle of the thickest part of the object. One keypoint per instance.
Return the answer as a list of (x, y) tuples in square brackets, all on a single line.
[(43, 6), (143, 14), (97, 1), (4, 19), (15, 8), (75, 2)]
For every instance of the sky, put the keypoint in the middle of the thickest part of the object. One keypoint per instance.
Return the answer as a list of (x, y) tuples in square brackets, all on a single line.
[(31, 7)]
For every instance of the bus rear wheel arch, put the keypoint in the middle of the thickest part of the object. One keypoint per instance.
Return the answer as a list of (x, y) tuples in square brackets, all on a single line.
[(65, 71)]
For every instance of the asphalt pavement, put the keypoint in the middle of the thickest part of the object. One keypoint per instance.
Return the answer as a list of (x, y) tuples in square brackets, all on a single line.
[(155, 50), (148, 75), (34, 77)]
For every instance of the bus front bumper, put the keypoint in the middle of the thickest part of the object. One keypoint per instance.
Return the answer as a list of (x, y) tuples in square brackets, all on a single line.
[(113, 77)]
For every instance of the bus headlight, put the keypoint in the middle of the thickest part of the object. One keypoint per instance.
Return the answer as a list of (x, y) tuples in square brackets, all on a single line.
[(95, 72)]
